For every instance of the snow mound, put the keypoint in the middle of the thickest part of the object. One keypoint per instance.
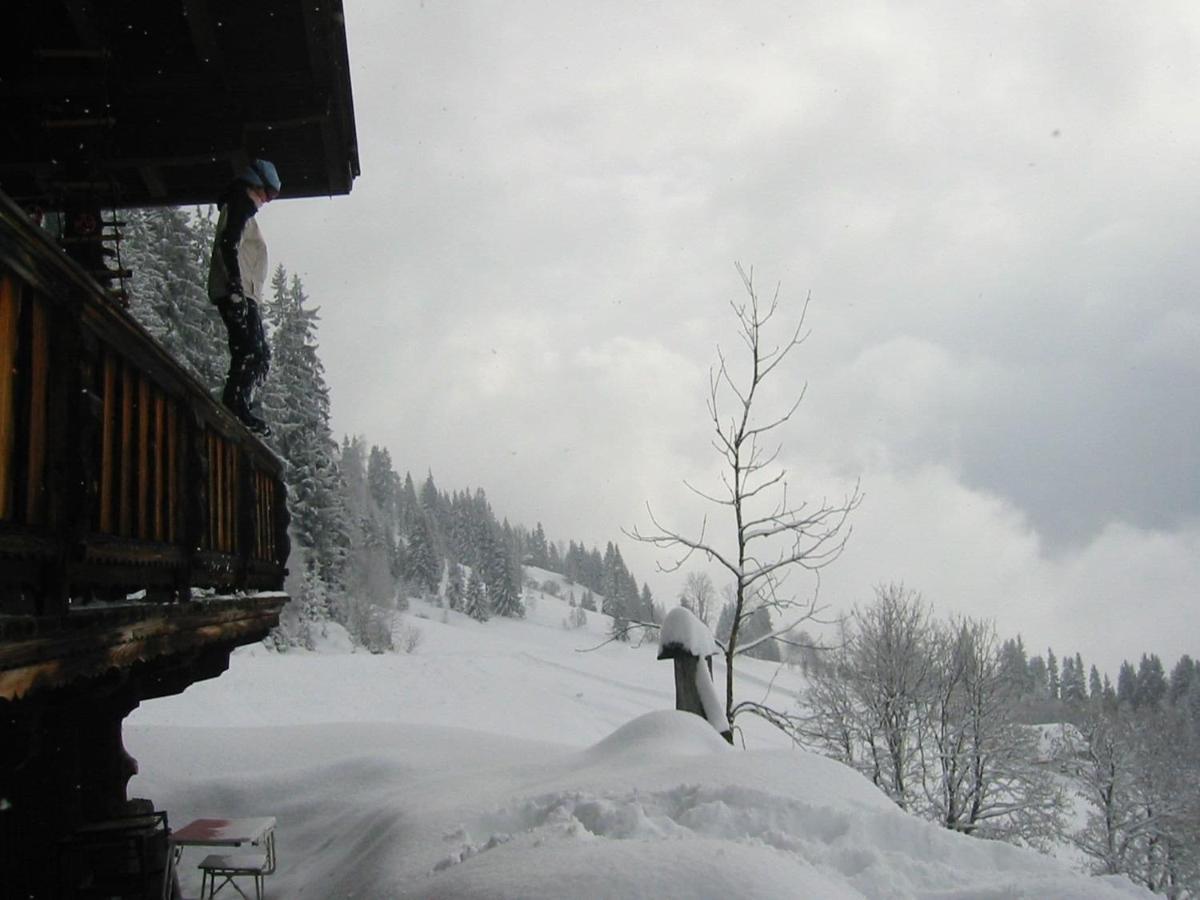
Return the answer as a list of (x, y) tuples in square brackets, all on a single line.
[(563, 785), (718, 838), (658, 734)]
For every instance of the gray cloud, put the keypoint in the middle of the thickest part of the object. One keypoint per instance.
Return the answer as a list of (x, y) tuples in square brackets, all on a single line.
[(993, 210)]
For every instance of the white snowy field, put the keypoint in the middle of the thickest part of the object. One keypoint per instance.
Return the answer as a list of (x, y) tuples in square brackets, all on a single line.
[(498, 761)]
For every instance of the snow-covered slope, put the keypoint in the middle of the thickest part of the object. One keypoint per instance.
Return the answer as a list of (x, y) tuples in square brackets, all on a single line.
[(498, 761)]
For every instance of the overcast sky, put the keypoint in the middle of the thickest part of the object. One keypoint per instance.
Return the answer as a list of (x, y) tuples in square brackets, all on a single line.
[(993, 206)]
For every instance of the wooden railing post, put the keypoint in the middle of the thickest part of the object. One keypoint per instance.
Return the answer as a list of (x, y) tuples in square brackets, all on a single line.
[(194, 495), (73, 418), (247, 518)]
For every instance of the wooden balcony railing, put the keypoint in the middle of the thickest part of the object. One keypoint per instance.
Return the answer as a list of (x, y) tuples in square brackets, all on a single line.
[(118, 471)]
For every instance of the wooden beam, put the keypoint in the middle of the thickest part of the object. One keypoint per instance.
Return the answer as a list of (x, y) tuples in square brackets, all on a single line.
[(125, 506), (10, 315), (159, 479), (173, 498), (84, 23), (145, 410), (98, 643), (152, 177), (108, 429), (204, 36), (39, 359)]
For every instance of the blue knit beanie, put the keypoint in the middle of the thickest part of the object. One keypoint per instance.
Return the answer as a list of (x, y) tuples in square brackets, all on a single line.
[(261, 173)]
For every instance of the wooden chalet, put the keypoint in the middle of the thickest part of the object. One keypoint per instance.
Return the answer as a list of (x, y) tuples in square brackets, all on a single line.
[(143, 530)]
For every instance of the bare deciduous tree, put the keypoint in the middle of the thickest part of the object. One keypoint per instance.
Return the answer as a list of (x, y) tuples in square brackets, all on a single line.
[(979, 767), (699, 595), (924, 711), (1137, 770), (772, 534), (888, 654)]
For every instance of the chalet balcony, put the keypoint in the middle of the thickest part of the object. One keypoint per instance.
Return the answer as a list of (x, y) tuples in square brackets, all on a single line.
[(143, 536), (122, 482)]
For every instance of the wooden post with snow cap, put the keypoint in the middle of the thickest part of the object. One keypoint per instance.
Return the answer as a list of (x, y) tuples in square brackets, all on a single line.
[(687, 640)]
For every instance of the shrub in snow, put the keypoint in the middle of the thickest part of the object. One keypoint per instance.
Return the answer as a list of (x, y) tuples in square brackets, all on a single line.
[(302, 622), (407, 637), (369, 625), (576, 618)]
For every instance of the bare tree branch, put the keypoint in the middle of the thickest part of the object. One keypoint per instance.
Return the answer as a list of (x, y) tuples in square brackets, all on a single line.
[(785, 536), (623, 632)]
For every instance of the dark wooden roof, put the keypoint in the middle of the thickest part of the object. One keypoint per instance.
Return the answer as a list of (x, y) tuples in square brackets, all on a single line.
[(152, 102)]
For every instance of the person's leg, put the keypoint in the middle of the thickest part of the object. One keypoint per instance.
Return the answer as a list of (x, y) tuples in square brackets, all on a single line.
[(240, 323), (258, 356)]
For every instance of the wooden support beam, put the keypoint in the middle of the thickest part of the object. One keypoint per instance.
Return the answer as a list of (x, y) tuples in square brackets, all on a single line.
[(152, 177), (107, 435), (144, 411), (10, 314), (39, 365), (159, 480), (173, 498), (125, 506), (204, 37), (84, 23)]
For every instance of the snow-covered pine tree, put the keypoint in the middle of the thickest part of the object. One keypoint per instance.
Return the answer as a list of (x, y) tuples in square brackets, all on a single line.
[(1126, 683), (1081, 686), (424, 566), (614, 583), (313, 608), (295, 401), (759, 625), (502, 582), (167, 249), (539, 553), (384, 485), (1072, 689), (1052, 674), (476, 603), (1014, 665), (367, 578), (1038, 683), (1151, 687), (1183, 676), (646, 609), (455, 588)]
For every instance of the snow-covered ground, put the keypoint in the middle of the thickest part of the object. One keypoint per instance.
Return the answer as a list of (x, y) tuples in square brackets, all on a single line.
[(497, 760)]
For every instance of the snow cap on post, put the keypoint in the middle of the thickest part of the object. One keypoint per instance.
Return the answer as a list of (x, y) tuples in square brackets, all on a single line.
[(684, 634)]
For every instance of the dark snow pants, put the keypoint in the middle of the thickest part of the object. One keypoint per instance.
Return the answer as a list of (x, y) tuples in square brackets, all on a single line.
[(249, 354)]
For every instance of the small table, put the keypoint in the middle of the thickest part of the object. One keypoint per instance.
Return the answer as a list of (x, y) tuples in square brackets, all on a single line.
[(257, 832)]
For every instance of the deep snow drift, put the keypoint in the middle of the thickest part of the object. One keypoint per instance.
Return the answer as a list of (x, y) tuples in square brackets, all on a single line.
[(497, 761)]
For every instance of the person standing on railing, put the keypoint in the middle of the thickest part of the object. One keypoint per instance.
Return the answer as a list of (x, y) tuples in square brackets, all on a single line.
[(237, 275)]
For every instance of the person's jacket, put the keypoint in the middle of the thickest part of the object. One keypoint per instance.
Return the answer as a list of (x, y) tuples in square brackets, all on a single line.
[(239, 256)]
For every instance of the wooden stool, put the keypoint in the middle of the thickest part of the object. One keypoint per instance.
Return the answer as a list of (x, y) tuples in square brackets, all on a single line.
[(228, 866)]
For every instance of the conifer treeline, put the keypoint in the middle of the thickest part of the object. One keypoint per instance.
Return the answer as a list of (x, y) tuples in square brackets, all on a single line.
[(1053, 688), (434, 542)]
